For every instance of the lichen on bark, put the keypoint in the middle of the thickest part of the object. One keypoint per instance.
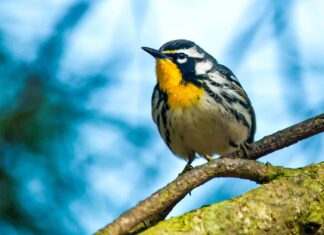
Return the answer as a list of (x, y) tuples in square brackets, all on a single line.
[(290, 204)]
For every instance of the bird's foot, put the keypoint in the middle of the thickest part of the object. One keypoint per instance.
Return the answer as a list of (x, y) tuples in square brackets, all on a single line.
[(187, 167), (245, 147), (207, 157)]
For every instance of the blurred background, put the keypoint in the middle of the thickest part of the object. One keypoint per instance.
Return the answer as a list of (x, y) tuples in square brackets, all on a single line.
[(77, 143)]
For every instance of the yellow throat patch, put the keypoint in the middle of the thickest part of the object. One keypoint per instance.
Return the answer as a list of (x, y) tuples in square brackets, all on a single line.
[(180, 94)]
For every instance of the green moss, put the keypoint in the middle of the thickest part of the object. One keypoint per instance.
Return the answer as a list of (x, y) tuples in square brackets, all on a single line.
[(276, 173), (312, 219), (182, 224)]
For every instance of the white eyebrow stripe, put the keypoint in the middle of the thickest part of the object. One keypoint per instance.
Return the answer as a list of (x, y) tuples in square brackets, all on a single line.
[(191, 52)]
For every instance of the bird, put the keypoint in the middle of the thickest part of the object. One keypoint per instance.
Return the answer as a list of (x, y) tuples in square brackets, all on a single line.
[(198, 105)]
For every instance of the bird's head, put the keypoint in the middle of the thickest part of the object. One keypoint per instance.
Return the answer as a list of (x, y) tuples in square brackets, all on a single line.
[(180, 61)]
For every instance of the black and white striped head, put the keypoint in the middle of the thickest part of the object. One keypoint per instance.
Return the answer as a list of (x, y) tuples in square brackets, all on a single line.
[(189, 58)]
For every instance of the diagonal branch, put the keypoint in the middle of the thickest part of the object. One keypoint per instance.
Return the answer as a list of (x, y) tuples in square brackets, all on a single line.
[(166, 198)]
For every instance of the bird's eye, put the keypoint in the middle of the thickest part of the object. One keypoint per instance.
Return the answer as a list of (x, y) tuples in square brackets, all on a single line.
[(181, 56)]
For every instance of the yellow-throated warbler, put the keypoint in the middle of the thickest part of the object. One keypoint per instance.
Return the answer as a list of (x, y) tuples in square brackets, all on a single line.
[(198, 105)]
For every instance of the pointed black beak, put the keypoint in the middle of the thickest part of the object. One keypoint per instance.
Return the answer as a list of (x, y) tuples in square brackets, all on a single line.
[(155, 53)]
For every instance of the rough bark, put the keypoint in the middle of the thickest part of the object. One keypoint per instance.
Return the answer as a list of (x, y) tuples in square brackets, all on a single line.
[(155, 207), (290, 204)]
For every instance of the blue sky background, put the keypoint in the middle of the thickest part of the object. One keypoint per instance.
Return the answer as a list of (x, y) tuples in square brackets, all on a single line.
[(77, 143)]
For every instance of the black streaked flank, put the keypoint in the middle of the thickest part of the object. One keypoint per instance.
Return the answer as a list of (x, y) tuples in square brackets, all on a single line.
[(162, 96), (161, 116), (219, 99), (212, 82), (212, 94), (239, 117), (231, 99), (222, 69), (253, 126), (164, 111)]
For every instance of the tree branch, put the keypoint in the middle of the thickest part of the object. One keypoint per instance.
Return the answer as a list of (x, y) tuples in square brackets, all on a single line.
[(231, 165)]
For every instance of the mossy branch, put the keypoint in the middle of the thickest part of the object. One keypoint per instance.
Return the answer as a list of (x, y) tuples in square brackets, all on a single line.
[(292, 204), (155, 207)]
